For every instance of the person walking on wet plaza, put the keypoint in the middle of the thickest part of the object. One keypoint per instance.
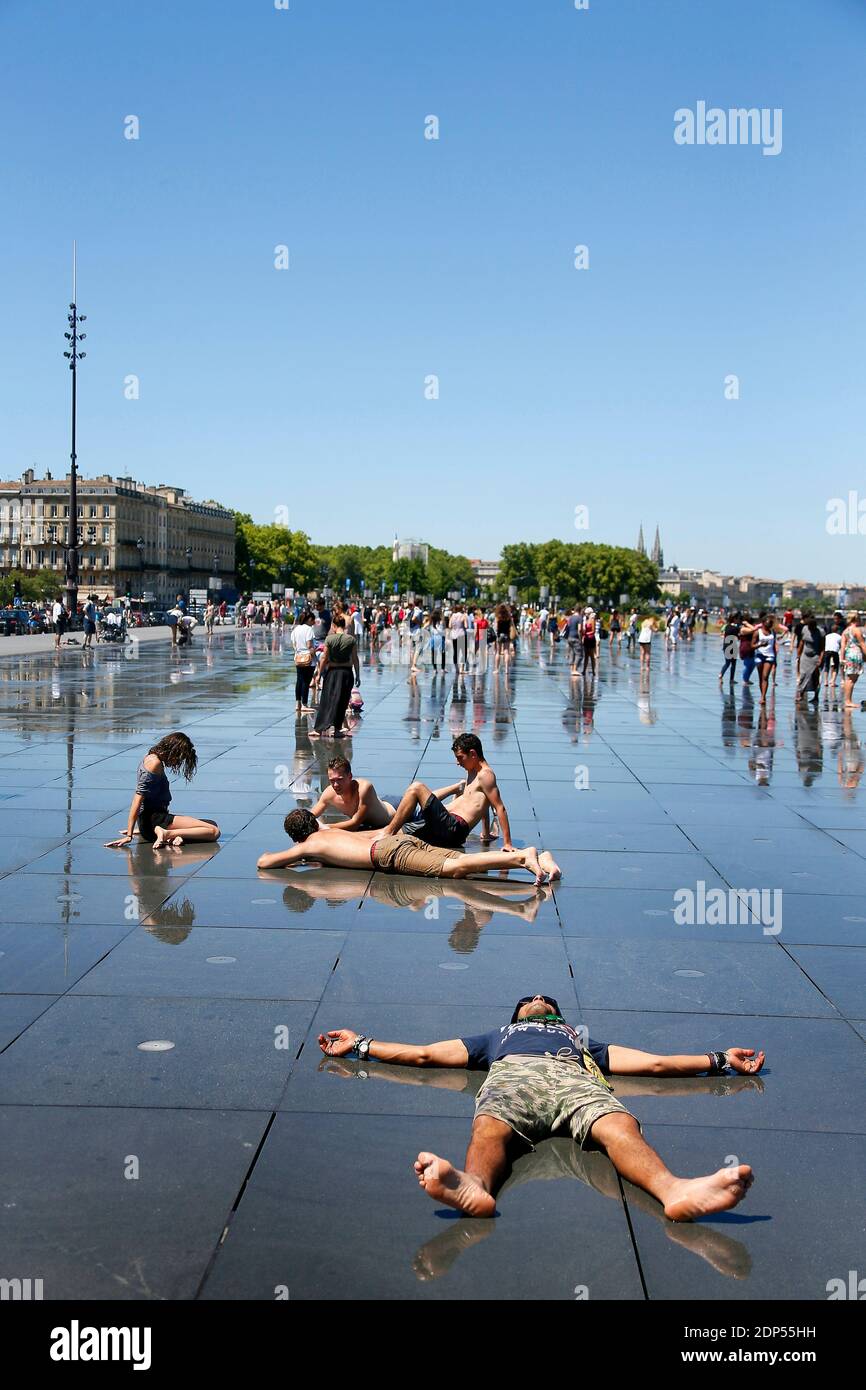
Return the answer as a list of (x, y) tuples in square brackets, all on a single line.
[(830, 662), (89, 619), (730, 647), (748, 642), (59, 618), (810, 654), (644, 641), (853, 652), (546, 1077), (149, 807), (304, 656), (339, 661)]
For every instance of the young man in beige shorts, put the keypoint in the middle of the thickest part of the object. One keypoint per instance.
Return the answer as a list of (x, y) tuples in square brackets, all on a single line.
[(397, 854)]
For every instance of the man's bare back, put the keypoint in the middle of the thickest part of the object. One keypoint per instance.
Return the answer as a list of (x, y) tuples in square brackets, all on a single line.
[(342, 849)]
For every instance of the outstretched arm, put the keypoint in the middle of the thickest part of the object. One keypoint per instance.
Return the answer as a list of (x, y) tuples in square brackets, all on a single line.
[(134, 809), (442, 1054), (627, 1061), (282, 859)]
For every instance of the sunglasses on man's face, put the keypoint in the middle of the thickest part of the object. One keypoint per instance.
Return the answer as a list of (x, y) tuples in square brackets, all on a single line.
[(530, 999)]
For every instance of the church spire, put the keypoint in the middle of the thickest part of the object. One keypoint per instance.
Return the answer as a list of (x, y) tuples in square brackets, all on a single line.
[(658, 555), (640, 547)]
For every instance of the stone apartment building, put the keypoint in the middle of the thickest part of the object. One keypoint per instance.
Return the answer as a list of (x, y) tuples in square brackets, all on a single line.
[(133, 538)]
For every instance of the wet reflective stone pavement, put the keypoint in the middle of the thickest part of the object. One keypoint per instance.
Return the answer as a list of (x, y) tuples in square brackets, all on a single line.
[(234, 1161)]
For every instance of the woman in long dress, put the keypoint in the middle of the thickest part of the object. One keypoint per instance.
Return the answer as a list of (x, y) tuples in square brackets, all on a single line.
[(339, 670)]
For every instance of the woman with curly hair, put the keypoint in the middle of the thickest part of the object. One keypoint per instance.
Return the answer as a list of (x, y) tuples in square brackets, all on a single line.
[(149, 807)]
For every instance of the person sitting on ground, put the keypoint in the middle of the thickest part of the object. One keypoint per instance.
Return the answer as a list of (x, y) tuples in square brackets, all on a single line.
[(356, 797), (475, 797), (152, 797), (397, 854), (547, 1077)]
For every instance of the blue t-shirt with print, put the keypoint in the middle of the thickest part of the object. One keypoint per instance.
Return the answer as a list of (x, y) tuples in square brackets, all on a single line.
[(527, 1038)]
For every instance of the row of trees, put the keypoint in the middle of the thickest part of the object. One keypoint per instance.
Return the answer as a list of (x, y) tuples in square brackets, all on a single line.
[(578, 571), (274, 554)]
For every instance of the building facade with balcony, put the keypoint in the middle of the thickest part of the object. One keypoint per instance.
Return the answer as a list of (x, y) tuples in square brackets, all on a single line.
[(133, 538)]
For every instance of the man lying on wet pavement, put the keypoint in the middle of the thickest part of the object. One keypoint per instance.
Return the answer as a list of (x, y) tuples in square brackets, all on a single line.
[(546, 1077)]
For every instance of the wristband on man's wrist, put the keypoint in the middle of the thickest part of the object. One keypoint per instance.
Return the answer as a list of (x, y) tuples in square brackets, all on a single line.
[(718, 1062), (362, 1046)]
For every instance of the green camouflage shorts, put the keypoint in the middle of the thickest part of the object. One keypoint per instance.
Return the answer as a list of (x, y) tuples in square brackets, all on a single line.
[(539, 1096)]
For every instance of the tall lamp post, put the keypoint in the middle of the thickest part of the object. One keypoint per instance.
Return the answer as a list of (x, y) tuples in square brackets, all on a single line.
[(73, 337), (139, 545)]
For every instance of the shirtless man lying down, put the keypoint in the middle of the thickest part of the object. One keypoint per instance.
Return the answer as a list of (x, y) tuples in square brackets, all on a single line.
[(397, 854)]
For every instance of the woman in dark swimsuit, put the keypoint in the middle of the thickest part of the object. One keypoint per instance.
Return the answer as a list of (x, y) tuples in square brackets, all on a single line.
[(149, 806)]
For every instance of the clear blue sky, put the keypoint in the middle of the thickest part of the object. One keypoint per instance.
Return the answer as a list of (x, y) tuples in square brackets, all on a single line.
[(455, 257)]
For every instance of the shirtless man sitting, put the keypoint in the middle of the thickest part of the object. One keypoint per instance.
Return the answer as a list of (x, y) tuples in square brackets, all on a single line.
[(356, 797), (476, 796), (396, 854)]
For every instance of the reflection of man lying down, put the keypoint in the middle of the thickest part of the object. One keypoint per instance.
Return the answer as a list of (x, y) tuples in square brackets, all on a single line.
[(397, 854)]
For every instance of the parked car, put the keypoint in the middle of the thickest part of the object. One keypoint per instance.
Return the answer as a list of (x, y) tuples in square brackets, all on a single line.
[(14, 622)]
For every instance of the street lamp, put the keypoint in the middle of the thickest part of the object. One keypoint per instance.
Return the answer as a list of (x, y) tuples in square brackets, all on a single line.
[(139, 545), (73, 337)]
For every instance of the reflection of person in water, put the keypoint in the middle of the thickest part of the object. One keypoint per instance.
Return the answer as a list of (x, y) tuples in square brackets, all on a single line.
[(149, 878), (481, 899), (763, 748), (544, 1076), (560, 1158), (850, 755), (807, 744)]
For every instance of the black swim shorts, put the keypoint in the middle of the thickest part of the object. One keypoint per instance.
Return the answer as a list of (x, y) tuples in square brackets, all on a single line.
[(437, 826)]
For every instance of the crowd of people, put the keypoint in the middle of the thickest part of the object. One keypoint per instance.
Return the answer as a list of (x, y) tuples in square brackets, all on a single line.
[(824, 652)]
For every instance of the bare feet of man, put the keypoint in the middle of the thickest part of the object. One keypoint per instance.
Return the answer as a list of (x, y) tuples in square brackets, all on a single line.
[(692, 1197), (445, 1183)]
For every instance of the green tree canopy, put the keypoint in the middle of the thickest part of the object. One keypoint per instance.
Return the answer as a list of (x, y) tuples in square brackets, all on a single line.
[(266, 555), (579, 571), (45, 583)]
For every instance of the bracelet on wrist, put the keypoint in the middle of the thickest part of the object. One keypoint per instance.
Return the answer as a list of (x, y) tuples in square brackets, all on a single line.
[(718, 1062)]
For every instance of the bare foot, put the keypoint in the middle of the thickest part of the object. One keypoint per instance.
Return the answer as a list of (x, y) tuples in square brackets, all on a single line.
[(691, 1197), (445, 1183), (549, 865), (531, 862)]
